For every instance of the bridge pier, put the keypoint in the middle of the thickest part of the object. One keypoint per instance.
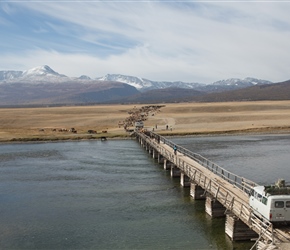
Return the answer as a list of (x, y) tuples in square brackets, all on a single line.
[(150, 150), (174, 171), (154, 154), (140, 141), (184, 180), (213, 207), (160, 158), (238, 230), (167, 164), (196, 192)]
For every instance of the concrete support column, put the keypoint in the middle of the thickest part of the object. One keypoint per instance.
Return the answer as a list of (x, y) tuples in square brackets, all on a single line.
[(184, 180), (150, 150), (154, 153), (196, 192), (160, 158), (167, 164), (174, 171), (238, 230), (213, 207)]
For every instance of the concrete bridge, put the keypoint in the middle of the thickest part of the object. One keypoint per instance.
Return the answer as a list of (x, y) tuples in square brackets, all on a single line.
[(225, 193)]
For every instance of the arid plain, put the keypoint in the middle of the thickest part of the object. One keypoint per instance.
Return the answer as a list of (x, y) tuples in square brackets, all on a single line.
[(45, 123)]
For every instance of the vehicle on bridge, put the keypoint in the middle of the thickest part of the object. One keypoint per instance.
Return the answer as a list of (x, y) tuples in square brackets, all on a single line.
[(272, 202), (139, 125)]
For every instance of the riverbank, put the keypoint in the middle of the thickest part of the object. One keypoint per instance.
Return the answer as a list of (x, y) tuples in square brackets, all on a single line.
[(178, 119)]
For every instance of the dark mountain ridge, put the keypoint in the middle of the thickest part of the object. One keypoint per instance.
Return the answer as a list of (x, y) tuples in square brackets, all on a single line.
[(162, 95), (44, 86), (63, 93), (274, 91)]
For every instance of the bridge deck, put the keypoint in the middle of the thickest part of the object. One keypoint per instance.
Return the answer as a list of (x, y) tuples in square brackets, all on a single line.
[(239, 195)]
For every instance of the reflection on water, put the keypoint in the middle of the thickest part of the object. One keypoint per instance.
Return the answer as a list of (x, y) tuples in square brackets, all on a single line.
[(113, 195)]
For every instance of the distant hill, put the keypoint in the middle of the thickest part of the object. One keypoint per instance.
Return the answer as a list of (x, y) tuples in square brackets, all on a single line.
[(144, 85), (46, 74), (275, 91), (44, 86), (162, 95), (63, 93)]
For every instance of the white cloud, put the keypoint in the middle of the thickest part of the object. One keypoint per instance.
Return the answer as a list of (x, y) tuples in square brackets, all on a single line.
[(162, 41)]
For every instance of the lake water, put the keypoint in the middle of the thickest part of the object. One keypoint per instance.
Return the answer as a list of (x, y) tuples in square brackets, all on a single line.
[(113, 195)]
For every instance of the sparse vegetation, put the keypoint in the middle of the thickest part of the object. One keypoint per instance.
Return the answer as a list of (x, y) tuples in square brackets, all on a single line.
[(43, 124)]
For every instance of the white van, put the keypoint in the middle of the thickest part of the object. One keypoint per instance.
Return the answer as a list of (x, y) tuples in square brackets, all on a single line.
[(271, 202)]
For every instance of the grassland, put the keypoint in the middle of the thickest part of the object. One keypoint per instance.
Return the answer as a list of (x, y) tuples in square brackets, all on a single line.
[(37, 124)]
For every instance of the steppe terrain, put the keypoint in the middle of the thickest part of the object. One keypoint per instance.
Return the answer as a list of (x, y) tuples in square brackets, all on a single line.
[(37, 124)]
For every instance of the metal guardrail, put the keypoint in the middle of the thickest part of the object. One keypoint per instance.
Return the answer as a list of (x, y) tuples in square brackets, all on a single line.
[(240, 182)]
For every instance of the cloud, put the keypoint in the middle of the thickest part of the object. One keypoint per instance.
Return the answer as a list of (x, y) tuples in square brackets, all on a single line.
[(188, 41), (134, 62)]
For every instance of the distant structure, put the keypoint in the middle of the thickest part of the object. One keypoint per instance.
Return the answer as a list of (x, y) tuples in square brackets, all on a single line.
[(139, 125), (138, 115)]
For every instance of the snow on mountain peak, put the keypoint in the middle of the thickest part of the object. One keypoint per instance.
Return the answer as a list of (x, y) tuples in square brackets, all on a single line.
[(84, 77), (249, 81), (137, 82), (143, 84), (41, 71), (9, 74), (44, 74)]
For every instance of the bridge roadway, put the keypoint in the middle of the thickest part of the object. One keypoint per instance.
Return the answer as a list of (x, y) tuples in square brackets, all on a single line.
[(228, 189)]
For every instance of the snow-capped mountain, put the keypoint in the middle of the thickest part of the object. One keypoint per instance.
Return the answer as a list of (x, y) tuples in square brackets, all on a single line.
[(232, 84), (247, 82), (138, 83), (45, 74), (41, 71), (143, 84), (42, 85), (84, 77), (37, 74), (8, 75)]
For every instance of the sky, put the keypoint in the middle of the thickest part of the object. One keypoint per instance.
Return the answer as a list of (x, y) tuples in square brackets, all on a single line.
[(191, 41)]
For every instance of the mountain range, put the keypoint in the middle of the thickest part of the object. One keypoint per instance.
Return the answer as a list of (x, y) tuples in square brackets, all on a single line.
[(44, 86)]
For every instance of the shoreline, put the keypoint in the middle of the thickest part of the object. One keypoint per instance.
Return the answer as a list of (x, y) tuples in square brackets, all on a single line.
[(251, 131), (51, 124)]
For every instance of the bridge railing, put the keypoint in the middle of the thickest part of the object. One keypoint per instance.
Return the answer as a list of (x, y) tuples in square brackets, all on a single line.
[(261, 226), (238, 181)]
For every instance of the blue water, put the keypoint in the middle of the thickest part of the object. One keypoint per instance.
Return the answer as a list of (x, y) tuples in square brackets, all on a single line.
[(113, 195), (260, 158)]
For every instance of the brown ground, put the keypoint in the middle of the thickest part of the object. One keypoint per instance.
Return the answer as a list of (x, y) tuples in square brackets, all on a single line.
[(27, 124)]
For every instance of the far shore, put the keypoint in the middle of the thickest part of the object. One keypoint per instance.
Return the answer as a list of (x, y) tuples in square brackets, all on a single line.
[(174, 119)]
